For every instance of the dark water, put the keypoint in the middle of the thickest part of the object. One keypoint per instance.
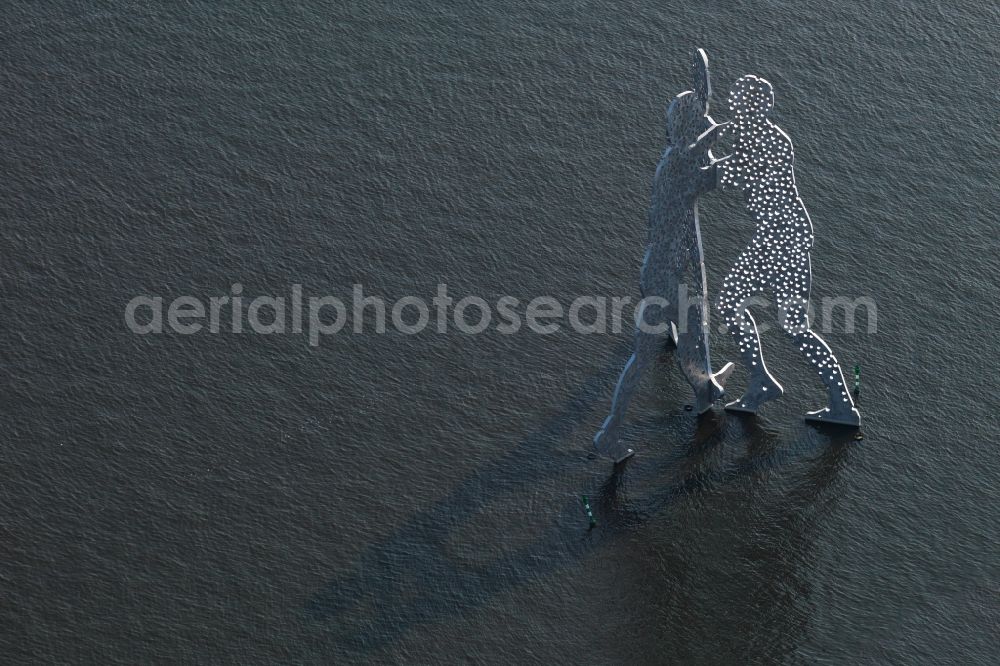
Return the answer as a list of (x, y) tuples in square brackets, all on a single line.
[(415, 499)]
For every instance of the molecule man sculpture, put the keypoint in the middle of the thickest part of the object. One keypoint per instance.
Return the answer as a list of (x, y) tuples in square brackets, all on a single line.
[(674, 261), (776, 262)]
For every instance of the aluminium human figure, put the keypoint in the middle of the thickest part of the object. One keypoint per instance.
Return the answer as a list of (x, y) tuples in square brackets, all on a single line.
[(673, 261), (776, 261)]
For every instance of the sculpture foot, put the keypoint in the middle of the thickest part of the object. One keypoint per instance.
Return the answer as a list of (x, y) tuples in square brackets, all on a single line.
[(713, 389), (759, 392), (721, 376), (841, 417)]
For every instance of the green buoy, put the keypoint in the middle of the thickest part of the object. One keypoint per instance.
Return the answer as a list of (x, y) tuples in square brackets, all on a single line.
[(590, 514)]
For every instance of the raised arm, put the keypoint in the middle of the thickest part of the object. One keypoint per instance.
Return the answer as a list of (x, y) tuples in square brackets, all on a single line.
[(700, 79)]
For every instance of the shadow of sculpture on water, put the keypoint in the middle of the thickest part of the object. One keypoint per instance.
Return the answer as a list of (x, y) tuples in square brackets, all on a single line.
[(408, 579), (411, 578)]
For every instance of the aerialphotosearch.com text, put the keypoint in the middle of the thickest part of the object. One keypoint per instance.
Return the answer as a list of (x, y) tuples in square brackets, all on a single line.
[(326, 315)]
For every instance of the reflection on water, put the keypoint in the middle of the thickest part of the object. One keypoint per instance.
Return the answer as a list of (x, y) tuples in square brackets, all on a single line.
[(730, 565), (710, 523)]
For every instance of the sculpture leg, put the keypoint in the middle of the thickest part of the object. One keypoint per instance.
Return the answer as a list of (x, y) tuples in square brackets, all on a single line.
[(738, 288), (795, 322), (647, 346), (692, 359), (692, 353)]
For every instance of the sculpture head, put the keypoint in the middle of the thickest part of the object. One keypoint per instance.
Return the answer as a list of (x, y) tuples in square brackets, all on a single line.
[(685, 119), (751, 96)]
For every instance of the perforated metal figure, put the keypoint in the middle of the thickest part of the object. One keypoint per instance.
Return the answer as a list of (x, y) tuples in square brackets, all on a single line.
[(673, 264), (776, 262)]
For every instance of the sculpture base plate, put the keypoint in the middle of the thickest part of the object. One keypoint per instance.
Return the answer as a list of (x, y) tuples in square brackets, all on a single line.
[(735, 407), (822, 416)]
